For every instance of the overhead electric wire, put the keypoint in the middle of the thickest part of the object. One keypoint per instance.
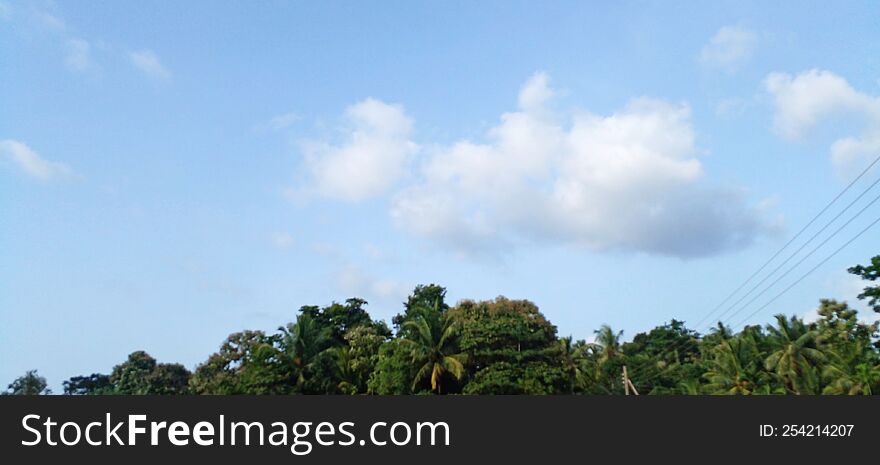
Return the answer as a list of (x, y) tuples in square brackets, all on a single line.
[(808, 241), (808, 255), (790, 241), (777, 296), (659, 370)]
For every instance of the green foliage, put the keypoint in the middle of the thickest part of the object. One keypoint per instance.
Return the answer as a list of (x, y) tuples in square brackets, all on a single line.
[(432, 340), (505, 346), (869, 273), (393, 374), (511, 348), (29, 384), (94, 384), (249, 362)]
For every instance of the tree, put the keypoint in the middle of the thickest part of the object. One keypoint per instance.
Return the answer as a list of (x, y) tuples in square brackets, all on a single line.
[(607, 343), (433, 347), (29, 384), (852, 366), (869, 273), (424, 298), (364, 343), (393, 373), (795, 355), (511, 348), (140, 375), (735, 367), (573, 360), (248, 362), (303, 341), (94, 384), (130, 377)]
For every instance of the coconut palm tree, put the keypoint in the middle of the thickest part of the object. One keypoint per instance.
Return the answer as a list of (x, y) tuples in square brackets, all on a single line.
[(303, 341), (434, 349), (607, 343), (572, 357), (794, 354), (733, 369)]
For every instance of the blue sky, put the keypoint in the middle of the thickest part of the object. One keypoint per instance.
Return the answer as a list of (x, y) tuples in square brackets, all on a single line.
[(172, 173)]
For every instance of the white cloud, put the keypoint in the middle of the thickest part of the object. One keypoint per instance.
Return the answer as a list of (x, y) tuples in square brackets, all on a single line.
[(282, 240), (631, 180), (729, 48), (371, 160), (148, 62), (803, 101), (32, 163), (78, 54)]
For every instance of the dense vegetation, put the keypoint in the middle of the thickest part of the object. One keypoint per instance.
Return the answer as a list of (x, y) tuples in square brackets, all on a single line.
[(507, 346)]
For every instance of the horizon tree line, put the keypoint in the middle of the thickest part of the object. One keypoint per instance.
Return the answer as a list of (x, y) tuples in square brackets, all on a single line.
[(505, 346)]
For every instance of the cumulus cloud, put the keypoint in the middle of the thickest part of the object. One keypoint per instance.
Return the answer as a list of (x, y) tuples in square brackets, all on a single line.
[(148, 62), (803, 101), (31, 163), (631, 180), (374, 155), (78, 54), (729, 48)]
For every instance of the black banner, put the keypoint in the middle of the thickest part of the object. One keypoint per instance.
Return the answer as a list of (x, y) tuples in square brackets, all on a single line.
[(501, 429)]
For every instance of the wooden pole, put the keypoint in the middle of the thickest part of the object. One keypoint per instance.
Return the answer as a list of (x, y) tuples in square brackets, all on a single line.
[(627, 383)]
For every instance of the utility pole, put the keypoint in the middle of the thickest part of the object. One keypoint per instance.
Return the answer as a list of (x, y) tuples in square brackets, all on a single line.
[(627, 384)]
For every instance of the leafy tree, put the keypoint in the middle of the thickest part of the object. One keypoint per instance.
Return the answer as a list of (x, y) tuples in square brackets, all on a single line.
[(393, 373), (249, 362), (869, 273), (364, 343), (94, 384), (130, 377), (424, 298), (140, 374), (511, 348), (29, 384)]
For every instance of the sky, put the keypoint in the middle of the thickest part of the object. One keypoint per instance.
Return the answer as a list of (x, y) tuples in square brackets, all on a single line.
[(173, 172)]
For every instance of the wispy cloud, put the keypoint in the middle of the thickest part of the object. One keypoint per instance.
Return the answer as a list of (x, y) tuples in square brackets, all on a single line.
[(78, 54), (282, 240), (148, 62), (31, 163), (283, 121), (729, 48)]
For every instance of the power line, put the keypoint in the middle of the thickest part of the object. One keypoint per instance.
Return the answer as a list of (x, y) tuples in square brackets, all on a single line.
[(658, 370), (790, 241), (808, 241), (863, 231), (810, 253)]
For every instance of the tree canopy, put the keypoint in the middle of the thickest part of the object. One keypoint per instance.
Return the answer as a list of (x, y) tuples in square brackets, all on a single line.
[(507, 346)]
